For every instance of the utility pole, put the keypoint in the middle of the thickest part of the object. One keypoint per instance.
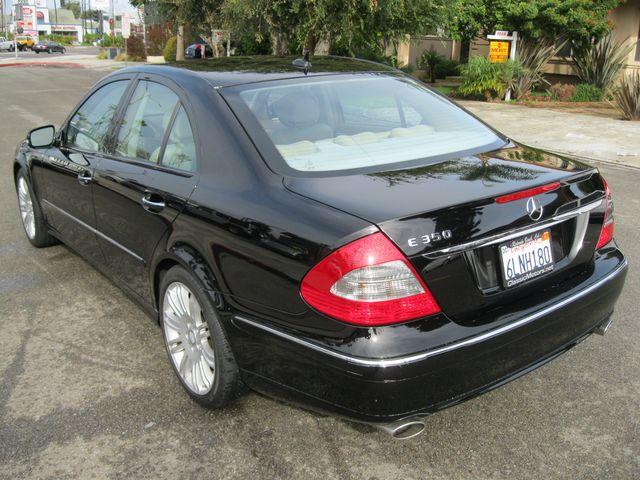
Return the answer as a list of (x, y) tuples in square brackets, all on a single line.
[(55, 9), (2, 17)]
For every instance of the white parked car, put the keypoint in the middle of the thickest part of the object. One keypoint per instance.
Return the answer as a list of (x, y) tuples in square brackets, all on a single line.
[(6, 45)]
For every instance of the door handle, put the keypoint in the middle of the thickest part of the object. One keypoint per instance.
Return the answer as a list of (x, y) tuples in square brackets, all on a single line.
[(85, 177), (152, 205)]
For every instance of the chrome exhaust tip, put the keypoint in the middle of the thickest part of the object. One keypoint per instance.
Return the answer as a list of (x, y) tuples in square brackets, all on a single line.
[(604, 326), (405, 428)]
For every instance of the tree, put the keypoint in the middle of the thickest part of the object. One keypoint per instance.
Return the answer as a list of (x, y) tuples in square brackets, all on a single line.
[(75, 8), (351, 27), (575, 20)]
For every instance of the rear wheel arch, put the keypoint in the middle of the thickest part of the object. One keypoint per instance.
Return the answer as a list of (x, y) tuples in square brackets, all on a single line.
[(189, 258)]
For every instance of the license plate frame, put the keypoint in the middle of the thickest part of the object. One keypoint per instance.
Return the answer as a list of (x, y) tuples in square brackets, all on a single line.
[(526, 258)]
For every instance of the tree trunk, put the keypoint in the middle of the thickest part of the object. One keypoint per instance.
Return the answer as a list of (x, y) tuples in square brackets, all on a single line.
[(310, 43), (180, 44)]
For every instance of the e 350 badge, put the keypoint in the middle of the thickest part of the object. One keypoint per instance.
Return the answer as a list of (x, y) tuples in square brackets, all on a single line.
[(429, 238)]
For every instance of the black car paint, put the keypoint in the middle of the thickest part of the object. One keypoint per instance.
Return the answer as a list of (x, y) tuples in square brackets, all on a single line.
[(251, 234)]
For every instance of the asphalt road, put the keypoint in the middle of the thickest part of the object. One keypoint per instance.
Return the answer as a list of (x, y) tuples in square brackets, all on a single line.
[(86, 390), (32, 55)]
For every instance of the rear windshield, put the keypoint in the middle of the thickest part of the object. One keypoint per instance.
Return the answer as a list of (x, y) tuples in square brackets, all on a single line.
[(357, 122)]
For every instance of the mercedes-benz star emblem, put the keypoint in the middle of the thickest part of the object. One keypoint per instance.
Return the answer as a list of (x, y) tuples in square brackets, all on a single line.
[(534, 209)]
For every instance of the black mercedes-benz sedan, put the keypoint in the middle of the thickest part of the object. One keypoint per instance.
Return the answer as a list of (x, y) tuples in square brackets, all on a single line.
[(334, 234)]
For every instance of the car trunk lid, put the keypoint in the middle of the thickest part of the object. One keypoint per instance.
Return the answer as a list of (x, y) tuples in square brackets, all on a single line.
[(445, 218)]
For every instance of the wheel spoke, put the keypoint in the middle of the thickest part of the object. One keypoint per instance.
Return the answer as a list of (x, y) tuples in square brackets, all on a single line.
[(176, 345), (208, 355), (205, 372), (174, 303), (172, 321), (182, 295)]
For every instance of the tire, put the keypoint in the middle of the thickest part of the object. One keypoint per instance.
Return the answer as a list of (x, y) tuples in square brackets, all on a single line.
[(37, 52), (49, 51), (63, 51), (36, 231), (190, 348)]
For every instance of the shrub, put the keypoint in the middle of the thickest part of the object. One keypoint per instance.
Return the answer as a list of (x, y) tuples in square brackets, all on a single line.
[(483, 79), (533, 56), (156, 39), (102, 54), (627, 97), (170, 49), (447, 68), (586, 92), (428, 61), (562, 91), (135, 48), (408, 68), (599, 63), (122, 57)]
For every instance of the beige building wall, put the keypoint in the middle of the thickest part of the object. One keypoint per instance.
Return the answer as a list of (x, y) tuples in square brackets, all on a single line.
[(626, 19), (410, 51)]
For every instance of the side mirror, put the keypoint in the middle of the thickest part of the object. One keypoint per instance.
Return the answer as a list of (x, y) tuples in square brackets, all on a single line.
[(42, 137)]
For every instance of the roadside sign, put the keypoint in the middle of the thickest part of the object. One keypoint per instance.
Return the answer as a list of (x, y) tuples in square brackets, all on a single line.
[(499, 51), (20, 30), (126, 26)]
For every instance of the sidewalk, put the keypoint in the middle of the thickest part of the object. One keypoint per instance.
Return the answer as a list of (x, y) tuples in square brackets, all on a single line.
[(593, 137)]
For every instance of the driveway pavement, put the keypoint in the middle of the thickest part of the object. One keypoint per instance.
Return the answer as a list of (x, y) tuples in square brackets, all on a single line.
[(593, 137), (86, 390)]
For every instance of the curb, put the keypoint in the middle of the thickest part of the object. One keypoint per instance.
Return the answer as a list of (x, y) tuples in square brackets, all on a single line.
[(43, 64)]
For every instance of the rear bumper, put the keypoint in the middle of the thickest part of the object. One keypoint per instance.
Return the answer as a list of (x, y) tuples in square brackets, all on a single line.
[(374, 389)]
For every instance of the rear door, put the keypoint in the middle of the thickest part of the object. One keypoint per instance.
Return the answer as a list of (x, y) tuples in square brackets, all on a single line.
[(64, 174), (146, 180)]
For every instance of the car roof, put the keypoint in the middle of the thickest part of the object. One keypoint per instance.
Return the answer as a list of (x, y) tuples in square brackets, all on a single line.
[(236, 70)]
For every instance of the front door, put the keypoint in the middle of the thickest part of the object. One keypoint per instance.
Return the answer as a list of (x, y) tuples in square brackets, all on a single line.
[(144, 184), (64, 174)]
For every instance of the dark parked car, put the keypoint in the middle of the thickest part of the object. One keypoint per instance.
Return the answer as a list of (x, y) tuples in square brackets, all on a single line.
[(340, 237), (48, 47), (195, 51)]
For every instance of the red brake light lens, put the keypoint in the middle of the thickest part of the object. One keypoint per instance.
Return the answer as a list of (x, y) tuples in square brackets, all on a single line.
[(368, 282), (531, 192), (608, 225)]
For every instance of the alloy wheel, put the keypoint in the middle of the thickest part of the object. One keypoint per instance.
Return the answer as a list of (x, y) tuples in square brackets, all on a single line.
[(188, 338), (26, 208)]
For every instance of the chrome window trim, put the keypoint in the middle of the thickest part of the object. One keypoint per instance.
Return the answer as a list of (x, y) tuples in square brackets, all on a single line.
[(502, 237), (97, 232), (399, 361)]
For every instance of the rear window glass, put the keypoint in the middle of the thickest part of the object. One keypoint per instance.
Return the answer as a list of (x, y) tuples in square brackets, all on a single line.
[(354, 123)]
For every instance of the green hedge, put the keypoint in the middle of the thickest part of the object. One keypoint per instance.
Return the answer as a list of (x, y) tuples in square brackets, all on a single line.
[(170, 49), (586, 92)]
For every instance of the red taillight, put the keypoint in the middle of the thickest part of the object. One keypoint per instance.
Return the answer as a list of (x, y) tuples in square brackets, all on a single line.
[(608, 224), (368, 282), (511, 197)]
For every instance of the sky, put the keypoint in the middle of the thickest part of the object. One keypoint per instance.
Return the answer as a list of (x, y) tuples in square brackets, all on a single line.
[(119, 5)]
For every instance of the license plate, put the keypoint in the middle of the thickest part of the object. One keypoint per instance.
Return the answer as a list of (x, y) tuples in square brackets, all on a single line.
[(526, 258)]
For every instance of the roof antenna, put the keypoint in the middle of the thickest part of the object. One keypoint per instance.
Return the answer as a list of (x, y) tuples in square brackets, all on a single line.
[(303, 63)]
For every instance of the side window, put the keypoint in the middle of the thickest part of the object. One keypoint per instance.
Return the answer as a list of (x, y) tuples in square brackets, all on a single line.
[(180, 151), (145, 121), (88, 128)]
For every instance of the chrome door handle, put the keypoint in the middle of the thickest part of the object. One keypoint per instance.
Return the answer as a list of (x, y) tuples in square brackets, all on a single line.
[(151, 205), (85, 178)]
